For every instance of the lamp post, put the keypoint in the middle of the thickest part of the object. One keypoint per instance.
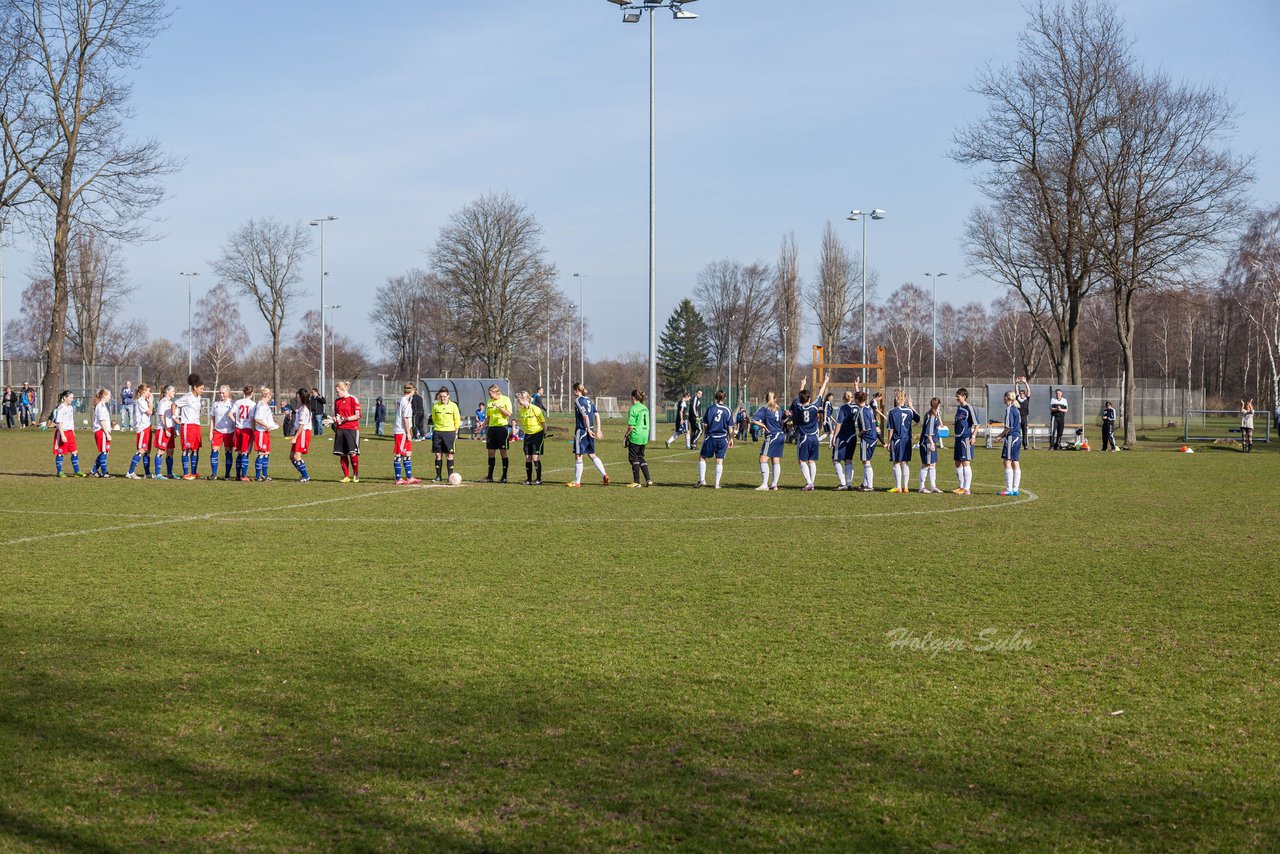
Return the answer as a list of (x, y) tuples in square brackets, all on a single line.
[(569, 361), (189, 277), (854, 216), (320, 221), (582, 374), (2, 225), (631, 14), (935, 277), (333, 362)]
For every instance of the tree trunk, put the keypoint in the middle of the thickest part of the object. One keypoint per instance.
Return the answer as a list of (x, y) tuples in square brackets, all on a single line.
[(56, 342), (275, 362), (1125, 335)]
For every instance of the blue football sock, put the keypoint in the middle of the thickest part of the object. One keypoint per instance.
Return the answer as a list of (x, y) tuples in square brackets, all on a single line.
[(57, 462), (75, 463), (266, 462), (408, 467), (213, 463), (395, 463), (195, 462), (302, 464), (186, 463), (133, 464), (156, 467), (100, 464), (168, 465)]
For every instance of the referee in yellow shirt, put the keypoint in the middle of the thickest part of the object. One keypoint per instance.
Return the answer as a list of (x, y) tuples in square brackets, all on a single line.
[(497, 417), (534, 423), (445, 421)]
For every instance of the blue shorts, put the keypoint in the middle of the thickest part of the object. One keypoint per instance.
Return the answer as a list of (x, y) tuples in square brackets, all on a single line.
[(928, 457), (963, 451), (807, 447), (867, 449), (900, 450), (714, 446), (1012, 450), (774, 445), (842, 449), (583, 443)]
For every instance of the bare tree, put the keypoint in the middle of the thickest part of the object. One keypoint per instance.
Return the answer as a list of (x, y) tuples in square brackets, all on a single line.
[(262, 260), (1042, 116), (718, 295), (906, 328), (66, 61), (1167, 193), (1253, 277), (491, 258), (755, 308), (25, 334), (833, 295), (786, 311), (97, 286), (219, 335)]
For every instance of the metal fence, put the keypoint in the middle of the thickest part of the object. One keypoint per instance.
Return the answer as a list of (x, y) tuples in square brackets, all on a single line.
[(83, 380)]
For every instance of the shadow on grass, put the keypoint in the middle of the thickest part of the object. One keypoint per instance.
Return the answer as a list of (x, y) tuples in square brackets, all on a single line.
[(337, 750)]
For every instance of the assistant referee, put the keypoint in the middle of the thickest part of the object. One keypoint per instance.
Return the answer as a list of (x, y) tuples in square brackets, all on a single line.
[(497, 417), (445, 421)]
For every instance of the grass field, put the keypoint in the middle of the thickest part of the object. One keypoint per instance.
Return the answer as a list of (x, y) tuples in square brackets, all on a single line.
[(224, 666)]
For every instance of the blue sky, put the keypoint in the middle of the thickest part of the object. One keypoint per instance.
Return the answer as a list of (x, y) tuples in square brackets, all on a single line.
[(772, 117)]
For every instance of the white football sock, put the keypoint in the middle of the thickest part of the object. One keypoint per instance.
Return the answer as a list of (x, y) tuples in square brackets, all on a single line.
[(599, 465), (577, 470), (933, 477), (1008, 479), (848, 472), (764, 473), (924, 476), (777, 473), (804, 472), (839, 466), (1017, 478), (702, 470), (719, 470)]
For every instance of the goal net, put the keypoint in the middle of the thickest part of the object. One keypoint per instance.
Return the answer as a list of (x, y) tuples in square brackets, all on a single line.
[(1207, 425)]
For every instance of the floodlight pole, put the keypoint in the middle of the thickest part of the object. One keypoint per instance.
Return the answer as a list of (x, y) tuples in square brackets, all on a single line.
[(631, 12), (320, 221), (935, 277), (854, 216), (189, 277)]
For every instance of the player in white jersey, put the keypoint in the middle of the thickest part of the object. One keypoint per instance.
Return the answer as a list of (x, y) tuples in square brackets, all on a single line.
[(263, 423), (101, 431), (64, 437), (142, 406), (164, 433), (222, 432), (242, 414), (402, 451), (187, 412), (300, 441)]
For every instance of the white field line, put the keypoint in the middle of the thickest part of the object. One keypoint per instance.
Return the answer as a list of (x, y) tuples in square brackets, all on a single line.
[(203, 517)]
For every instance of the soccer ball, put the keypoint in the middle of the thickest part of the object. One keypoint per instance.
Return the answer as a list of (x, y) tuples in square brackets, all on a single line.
[(455, 479)]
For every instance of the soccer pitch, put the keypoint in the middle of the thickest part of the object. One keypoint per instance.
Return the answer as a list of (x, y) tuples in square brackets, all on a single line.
[(1089, 666)]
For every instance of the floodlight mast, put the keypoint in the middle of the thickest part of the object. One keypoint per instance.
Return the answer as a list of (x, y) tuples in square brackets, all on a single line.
[(631, 12)]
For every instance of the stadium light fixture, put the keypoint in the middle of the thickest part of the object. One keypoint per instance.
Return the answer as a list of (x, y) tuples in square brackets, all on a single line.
[(854, 216), (631, 15)]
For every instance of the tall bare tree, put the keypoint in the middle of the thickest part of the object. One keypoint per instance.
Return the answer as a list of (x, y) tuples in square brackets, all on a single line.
[(834, 297), (1043, 114), (755, 310), (490, 256), (1253, 278), (718, 295), (97, 286), (68, 60), (1168, 191), (787, 296), (219, 335), (262, 260)]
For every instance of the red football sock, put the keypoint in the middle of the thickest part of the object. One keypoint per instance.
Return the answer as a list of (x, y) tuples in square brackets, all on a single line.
[(355, 466), (346, 472)]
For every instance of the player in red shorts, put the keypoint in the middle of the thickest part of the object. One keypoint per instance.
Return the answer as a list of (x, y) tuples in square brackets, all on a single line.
[(300, 441), (187, 412), (222, 432), (242, 414), (263, 423), (64, 437), (142, 432), (402, 453), (162, 438), (346, 436)]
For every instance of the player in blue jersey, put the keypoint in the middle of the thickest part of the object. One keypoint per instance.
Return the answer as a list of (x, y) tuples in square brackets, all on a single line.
[(868, 438), (930, 438), (769, 419), (1011, 450), (966, 430), (844, 440), (717, 423), (898, 435), (586, 429), (806, 418)]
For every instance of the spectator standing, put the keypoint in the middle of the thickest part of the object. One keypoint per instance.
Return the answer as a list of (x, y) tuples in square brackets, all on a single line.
[(1246, 425), (316, 405), (379, 415), (539, 400), (1058, 420), (27, 404), (126, 406), (1108, 427), (10, 405), (695, 418)]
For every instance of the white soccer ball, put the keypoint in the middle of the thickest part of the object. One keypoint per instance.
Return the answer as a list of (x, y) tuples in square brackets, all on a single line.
[(455, 479)]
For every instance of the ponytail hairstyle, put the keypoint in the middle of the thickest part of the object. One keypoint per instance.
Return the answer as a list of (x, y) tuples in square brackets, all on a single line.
[(168, 389), (248, 391), (771, 401), (101, 393), (899, 397), (144, 389), (935, 406), (579, 388), (637, 395), (304, 398), (64, 396), (860, 397)]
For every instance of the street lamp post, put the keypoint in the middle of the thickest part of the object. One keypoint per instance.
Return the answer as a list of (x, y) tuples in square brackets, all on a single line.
[(935, 277), (582, 374), (320, 221), (631, 13), (569, 360), (333, 361), (189, 277), (854, 216)]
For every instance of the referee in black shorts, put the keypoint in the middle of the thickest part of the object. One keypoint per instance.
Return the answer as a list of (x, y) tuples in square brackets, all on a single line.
[(497, 417)]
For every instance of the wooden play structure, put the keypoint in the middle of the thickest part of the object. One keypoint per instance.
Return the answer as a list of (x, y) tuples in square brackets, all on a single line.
[(875, 381)]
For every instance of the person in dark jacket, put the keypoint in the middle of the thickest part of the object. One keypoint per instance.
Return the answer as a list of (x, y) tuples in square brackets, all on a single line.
[(317, 411), (1109, 427), (379, 416), (419, 417)]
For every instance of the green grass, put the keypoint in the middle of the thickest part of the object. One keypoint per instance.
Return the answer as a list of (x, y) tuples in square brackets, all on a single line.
[(327, 666)]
